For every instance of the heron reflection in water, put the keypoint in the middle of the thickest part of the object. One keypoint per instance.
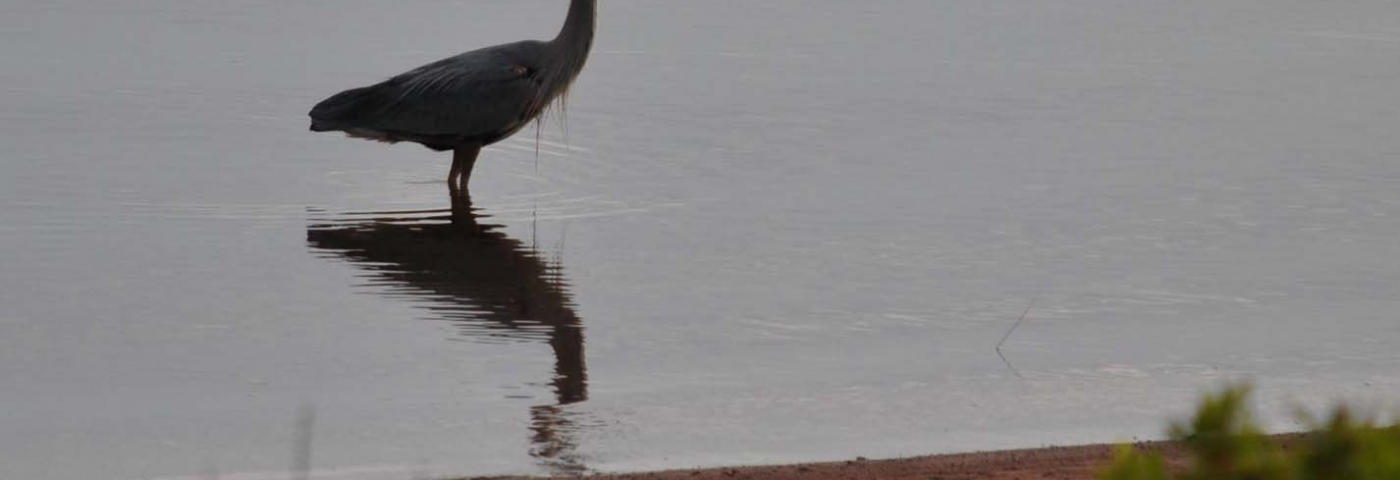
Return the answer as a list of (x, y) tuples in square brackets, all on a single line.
[(489, 284)]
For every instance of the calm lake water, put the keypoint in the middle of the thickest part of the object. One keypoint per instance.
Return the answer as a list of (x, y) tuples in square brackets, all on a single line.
[(765, 232)]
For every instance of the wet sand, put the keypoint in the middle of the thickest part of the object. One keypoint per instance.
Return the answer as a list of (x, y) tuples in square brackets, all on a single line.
[(1060, 463)]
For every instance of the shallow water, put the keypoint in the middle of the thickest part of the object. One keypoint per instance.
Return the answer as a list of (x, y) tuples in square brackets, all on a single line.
[(767, 231)]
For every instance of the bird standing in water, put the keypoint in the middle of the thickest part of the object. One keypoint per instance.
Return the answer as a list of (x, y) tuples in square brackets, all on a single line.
[(468, 101)]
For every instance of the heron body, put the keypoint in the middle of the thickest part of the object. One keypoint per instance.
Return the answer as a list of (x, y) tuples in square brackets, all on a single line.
[(468, 101)]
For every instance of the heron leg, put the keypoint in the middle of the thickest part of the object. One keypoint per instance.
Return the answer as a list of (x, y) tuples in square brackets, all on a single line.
[(454, 173), (463, 159)]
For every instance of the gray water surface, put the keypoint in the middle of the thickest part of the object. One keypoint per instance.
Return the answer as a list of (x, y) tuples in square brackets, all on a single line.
[(764, 231)]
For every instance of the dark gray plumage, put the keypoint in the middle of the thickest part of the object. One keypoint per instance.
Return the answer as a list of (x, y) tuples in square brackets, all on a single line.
[(468, 101)]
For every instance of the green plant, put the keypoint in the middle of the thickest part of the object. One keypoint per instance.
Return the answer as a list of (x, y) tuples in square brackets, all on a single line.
[(1223, 442)]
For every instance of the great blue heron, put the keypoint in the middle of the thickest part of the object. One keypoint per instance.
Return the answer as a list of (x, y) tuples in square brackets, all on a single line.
[(468, 101)]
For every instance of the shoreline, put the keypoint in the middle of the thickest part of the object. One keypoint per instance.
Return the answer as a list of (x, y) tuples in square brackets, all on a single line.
[(1080, 462)]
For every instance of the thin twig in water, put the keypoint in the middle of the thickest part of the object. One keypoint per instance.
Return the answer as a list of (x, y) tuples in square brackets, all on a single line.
[(1019, 321), (306, 427)]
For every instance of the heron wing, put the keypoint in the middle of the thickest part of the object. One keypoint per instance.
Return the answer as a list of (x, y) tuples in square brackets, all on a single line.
[(476, 94)]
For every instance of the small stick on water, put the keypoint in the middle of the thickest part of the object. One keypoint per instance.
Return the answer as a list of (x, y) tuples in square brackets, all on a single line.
[(306, 426), (1019, 321)]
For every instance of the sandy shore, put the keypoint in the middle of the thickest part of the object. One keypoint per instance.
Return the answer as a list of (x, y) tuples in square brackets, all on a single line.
[(1060, 463)]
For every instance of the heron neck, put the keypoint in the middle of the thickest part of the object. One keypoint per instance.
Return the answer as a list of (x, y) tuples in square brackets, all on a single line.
[(578, 26), (570, 49)]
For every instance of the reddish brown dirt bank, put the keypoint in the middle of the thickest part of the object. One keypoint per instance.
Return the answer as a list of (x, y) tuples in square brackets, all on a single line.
[(1059, 463)]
